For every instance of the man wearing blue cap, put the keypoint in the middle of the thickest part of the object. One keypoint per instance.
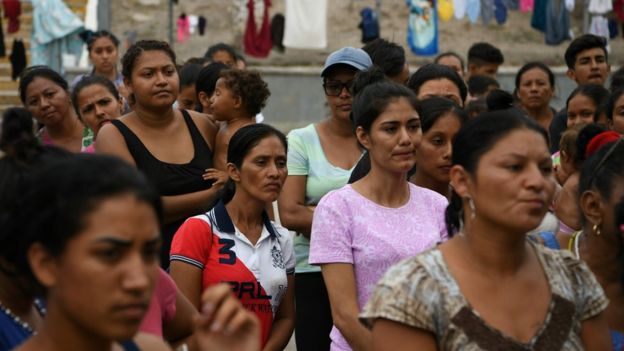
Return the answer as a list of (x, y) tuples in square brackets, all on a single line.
[(321, 157)]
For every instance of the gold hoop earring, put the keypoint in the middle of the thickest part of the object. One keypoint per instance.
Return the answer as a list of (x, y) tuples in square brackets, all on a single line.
[(596, 230), (473, 210)]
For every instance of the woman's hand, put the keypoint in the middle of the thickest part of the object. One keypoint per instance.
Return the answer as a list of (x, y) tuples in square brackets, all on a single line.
[(224, 324)]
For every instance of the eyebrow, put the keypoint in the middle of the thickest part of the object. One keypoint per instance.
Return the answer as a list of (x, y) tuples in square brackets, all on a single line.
[(123, 242)]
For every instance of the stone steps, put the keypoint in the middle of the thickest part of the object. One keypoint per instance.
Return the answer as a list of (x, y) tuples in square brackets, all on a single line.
[(9, 96)]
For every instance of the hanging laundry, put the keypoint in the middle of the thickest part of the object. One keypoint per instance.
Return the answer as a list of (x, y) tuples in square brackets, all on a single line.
[(538, 20), (487, 11), (613, 28), (306, 24), (459, 9), (422, 29), (500, 11), (569, 4), (526, 5), (445, 10), (2, 49), (618, 8), (51, 38), (258, 44), (599, 26), (193, 20), (512, 5), (600, 7), (12, 11), (17, 58), (557, 22), (201, 25), (184, 28), (473, 8), (277, 32), (369, 25)]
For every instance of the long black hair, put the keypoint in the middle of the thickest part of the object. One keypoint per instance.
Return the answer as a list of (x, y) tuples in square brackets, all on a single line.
[(56, 200)]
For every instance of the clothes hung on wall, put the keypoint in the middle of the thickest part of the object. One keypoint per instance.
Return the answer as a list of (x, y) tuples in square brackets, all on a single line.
[(258, 43), (184, 28), (277, 32), (51, 39), (17, 58), (12, 11), (306, 24), (422, 28)]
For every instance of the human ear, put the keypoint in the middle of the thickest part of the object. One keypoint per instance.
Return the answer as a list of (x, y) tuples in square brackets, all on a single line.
[(460, 181), (238, 102), (43, 265), (363, 137), (571, 74), (592, 206), (233, 172), (204, 100)]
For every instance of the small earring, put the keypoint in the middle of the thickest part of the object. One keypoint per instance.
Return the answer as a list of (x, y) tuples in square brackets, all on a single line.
[(473, 211), (596, 230)]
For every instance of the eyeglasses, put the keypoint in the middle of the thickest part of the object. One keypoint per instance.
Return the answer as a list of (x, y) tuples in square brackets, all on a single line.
[(334, 87), (604, 159)]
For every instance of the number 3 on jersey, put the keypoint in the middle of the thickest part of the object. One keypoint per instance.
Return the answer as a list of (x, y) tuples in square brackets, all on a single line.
[(225, 249)]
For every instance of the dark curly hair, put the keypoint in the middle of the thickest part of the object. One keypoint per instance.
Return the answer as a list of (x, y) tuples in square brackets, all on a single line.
[(250, 86), (133, 53)]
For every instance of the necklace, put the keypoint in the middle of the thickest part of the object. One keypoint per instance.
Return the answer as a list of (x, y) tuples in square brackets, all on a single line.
[(17, 319)]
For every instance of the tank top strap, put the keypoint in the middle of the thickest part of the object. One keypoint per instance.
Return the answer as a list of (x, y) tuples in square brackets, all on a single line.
[(202, 149), (136, 148)]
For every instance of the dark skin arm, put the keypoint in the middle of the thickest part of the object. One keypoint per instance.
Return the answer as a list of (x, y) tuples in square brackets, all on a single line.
[(393, 336)]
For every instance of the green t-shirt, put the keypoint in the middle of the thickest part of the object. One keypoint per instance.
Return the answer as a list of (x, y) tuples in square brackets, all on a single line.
[(306, 158)]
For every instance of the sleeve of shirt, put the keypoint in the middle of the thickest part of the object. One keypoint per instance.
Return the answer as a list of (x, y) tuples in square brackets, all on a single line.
[(441, 218), (591, 299), (399, 297), (288, 250), (331, 240), (168, 290), (298, 160), (192, 242)]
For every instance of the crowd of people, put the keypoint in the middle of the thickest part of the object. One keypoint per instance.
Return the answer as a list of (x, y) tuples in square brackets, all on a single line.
[(146, 206)]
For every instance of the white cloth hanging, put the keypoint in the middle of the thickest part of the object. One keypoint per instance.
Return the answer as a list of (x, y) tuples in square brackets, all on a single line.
[(459, 7), (193, 21), (306, 24), (600, 7), (569, 4)]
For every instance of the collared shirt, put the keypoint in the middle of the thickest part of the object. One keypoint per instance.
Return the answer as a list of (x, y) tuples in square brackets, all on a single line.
[(257, 273)]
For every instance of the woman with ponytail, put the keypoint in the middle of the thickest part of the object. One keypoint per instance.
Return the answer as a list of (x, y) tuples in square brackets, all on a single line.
[(235, 242), (361, 229), (489, 287), (599, 242)]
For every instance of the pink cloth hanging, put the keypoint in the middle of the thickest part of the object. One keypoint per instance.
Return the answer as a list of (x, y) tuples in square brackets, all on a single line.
[(526, 5), (184, 28), (258, 44)]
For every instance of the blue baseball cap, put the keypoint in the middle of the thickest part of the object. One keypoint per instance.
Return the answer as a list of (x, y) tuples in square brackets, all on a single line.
[(356, 58)]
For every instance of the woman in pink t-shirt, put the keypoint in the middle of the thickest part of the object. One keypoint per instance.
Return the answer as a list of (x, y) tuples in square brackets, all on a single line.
[(362, 229)]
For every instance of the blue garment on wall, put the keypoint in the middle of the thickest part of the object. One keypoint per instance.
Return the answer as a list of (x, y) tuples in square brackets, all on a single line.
[(473, 8), (487, 11), (422, 29), (54, 33), (500, 11), (557, 23), (538, 20)]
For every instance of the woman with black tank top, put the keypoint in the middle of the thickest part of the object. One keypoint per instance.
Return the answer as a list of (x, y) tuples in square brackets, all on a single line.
[(172, 147)]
